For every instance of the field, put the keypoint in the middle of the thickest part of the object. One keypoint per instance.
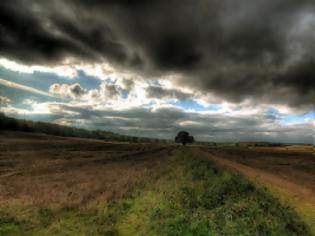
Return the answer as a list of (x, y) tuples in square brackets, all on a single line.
[(288, 171), (71, 186)]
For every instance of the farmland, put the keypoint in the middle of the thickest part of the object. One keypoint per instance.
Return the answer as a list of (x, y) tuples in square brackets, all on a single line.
[(72, 186)]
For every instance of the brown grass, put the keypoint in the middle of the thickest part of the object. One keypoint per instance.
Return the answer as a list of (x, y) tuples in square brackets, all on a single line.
[(43, 170), (288, 172), (294, 163)]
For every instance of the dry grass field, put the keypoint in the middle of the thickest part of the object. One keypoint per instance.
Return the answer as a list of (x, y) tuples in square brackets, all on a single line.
[(294, 163), (45, 170), (288, 171), (70, 186)]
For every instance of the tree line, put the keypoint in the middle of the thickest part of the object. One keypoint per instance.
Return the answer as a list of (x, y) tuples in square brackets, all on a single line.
[(13, 124)]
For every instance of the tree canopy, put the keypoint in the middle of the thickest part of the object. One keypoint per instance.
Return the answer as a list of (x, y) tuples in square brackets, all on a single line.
[(183, 137)]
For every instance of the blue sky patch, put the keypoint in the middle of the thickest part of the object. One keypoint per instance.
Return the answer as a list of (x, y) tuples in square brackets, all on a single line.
[(193, 105), (297, 119), (43, 80)]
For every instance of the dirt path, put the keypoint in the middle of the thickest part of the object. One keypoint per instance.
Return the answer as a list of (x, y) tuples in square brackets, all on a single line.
[(300, 197)]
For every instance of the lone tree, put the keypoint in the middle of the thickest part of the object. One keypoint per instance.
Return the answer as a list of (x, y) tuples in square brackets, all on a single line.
[(183, 137)]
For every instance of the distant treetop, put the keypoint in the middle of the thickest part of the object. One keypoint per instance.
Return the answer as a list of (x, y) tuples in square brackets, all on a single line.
[(183, 137)]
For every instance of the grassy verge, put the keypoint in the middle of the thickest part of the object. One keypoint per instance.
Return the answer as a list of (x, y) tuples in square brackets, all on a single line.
[(192, 196), (304, 209)]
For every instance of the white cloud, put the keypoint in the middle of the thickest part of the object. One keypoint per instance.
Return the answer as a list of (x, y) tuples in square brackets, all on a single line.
[(74, 91), (24, 88), (124, 104), (109, 91), (66, 69), (4, 101), (166, 121)]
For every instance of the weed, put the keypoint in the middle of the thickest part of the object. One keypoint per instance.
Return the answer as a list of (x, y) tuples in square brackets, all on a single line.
[(8, 225), (45, 216)]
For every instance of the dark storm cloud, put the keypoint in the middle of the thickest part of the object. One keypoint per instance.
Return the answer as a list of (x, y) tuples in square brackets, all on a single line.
[(166, 122), (163, 93), (46, 32), (77, 90), (234, 49)]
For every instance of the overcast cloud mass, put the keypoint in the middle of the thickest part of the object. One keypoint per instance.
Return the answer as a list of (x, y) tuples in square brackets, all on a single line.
[(224, 70)]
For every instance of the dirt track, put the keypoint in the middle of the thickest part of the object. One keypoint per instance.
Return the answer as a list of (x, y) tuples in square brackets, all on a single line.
[(296, 164), (300, 192)]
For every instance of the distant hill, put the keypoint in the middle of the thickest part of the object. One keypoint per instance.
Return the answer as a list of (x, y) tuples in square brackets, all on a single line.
[(9, 123)]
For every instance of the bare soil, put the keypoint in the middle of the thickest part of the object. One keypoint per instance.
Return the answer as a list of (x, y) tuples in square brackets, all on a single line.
[(290, 172), (295, 164), (38, 169)]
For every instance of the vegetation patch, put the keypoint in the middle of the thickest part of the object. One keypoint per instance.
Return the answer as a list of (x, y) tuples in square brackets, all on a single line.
[(8, 225), (191, 196)]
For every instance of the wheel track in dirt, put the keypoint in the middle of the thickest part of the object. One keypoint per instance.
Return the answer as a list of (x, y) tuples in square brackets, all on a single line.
[(300, 197)]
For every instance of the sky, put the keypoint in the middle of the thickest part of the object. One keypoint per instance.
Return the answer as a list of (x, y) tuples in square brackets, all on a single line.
[(225, 71)]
